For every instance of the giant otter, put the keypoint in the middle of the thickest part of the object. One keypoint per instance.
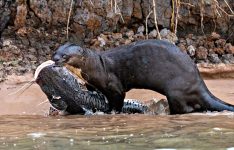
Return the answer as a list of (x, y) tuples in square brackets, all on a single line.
[(150, 64)]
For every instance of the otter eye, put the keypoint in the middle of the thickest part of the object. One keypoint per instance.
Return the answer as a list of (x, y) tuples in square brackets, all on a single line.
[(65, 57)]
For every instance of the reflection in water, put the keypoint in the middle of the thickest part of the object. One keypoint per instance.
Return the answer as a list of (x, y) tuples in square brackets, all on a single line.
[(115, 132)]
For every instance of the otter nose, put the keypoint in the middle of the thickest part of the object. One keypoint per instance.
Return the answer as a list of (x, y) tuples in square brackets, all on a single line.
[(56, 57)]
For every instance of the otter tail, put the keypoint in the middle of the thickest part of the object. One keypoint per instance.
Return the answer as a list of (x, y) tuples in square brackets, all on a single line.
[(215, 104)]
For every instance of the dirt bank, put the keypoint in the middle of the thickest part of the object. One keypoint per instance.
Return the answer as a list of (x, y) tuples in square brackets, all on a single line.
[(30, 30)]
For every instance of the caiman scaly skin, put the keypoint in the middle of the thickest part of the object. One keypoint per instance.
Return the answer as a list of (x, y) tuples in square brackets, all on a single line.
[(65, 93)]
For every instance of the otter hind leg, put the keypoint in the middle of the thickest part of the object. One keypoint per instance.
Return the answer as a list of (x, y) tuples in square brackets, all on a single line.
[(180, 103), (176, 107)]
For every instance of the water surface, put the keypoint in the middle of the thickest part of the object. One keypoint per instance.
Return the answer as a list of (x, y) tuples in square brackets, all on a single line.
[(115, 132), (24, 126)]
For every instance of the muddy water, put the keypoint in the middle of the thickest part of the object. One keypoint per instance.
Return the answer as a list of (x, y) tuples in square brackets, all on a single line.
[(23, 124), (116, 132)]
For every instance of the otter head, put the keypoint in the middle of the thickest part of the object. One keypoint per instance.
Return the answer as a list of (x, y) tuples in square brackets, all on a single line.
[(70, 54)]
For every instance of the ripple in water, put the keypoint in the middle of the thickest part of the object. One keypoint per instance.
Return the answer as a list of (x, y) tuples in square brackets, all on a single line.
[(116, 132)]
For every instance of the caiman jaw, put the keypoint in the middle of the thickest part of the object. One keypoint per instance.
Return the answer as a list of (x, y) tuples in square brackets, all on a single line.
[(75, 71), (41, 66)]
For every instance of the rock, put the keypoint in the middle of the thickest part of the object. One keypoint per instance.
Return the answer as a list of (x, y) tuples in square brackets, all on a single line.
[(138, 37), (158, 106), (21, 70), (172, 38), (2, 78), (229, 48), (25, 41), (201, 53), (102, 41), (201, 42), (56, 12), (79, 31), (46, 49), (127, 10), (32, 50), (153, 34), (209, 44), (117, 43), (190, 36), (6, 43), (94, 24), (189, 41), (22, 32), (228, 58), (16, 52), (141, 29), (31, 57), (163, 9), (211, 51), (214, 59), (127, 41), (129, 33), (164, 32), (191, 50), (168, 36), (137, 11), (95, 45), (182, 47), (117, 36), (20, 18), (2, 74), (220, 43), (5, 16), (41, 10), (215, 36), (219, 51), (182, 41)]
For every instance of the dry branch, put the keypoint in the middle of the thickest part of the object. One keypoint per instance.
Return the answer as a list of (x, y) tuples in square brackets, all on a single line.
[(177, 15), (173, 16), (229, 6), (217, 4), (188, 4), (146, 24), (202, 10), (68, 18), (117, 12), (155, 19)]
